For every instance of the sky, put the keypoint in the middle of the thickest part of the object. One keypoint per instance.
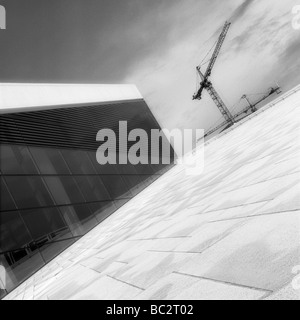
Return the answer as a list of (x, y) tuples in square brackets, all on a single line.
[(155, 44)]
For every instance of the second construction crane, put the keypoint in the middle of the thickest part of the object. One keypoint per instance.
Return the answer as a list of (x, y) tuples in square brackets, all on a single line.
[(251, 107), (206, 83)]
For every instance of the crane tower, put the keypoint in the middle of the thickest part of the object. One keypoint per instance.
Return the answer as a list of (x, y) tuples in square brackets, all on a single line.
[(206, 83)]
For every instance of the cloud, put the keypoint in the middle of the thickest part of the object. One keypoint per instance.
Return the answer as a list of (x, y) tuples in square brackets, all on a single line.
[(289, 59), (71, 41), (241, 10), (238, 13), (244, 40)]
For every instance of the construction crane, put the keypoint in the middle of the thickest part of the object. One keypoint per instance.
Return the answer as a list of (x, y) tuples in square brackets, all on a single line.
[(206, 83), (251, 107)]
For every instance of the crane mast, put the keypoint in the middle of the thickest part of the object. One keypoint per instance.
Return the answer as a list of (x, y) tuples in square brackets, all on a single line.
[(217, 99), (206, 84)]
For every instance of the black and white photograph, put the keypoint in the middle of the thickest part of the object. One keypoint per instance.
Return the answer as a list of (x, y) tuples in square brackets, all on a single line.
[(149, 153)]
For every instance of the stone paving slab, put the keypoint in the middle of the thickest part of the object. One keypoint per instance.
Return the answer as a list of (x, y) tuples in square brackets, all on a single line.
[(267, 244)]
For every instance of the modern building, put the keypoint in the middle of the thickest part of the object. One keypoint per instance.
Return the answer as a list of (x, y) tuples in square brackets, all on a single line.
[(53, 190)]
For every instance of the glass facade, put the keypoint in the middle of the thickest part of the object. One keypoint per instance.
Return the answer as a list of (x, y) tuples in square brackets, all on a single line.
[(53, 191)]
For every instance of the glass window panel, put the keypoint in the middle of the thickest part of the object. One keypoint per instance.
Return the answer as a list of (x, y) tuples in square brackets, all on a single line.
[(79, 219), (144, 169), (29, 192), (64, 190), (45, 224), (13, 232), (103, 169), (135, 183), (16, 160), (102, 210), (78, 162), (6, 201), (49, 231), (116, 186), (49, 161), (92, 188), (127, 169)]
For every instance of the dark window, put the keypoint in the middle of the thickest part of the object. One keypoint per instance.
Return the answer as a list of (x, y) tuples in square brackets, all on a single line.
[(6, 201), (14, 234), (79, 219), (52, 249), (102, 210), (103, 169), (144, 169), (116, 186), (49, 231), (46, 224), (64, 190), (29, 192), (127, 169), (49, 161), (135, 183), (92, 188), (78, 162), (16, 160), (147, 180)]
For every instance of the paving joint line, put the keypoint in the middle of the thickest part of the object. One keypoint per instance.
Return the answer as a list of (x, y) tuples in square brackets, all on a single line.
[(263, 181), (167, 251), (148, 239), (224, 282), (256, 215), (129, 284), (238, 206)]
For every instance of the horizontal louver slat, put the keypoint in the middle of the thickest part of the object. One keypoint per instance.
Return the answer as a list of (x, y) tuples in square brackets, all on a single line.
[(74, 127)]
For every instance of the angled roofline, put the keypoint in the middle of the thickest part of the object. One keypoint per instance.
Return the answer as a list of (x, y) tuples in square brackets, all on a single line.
[(24, 97)]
